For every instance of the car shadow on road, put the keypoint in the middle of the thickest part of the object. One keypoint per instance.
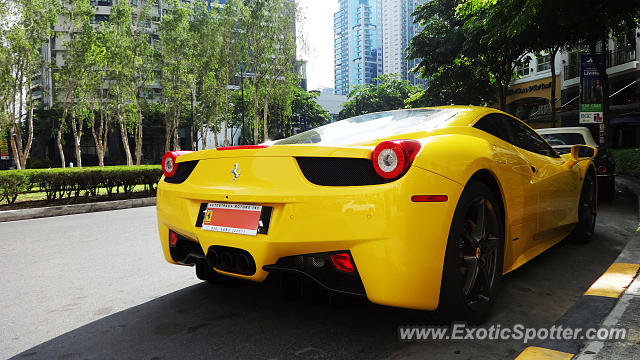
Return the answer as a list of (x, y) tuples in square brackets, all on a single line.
[(206, 321)]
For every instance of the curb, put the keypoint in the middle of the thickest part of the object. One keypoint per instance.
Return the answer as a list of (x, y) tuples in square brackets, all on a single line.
[(597, 302), (26, 214)]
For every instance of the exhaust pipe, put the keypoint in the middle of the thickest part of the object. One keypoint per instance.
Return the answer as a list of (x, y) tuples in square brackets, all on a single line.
[(243, 263), (212, 258), (226, 261)]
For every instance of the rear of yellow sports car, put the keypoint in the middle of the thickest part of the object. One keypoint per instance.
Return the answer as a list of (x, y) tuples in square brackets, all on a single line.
[(321, 212)]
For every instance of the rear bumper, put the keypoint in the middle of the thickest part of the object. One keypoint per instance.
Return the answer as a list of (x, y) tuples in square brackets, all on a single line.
[(397, 245)]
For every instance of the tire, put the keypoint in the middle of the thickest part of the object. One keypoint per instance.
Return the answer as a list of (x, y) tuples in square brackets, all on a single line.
[(472, 270), (606, 189), (587, 211), (205, 273)]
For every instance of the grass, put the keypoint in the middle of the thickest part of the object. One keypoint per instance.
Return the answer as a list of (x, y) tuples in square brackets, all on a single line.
[(627, 161)]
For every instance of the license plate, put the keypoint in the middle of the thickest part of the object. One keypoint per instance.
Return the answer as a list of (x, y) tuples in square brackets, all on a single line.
[(232, 218)]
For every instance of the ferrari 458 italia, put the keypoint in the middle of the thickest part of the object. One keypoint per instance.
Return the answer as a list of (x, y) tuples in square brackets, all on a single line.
[(423, 209)]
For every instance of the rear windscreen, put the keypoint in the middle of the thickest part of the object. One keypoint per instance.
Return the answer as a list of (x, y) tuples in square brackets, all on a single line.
[(373, 126)]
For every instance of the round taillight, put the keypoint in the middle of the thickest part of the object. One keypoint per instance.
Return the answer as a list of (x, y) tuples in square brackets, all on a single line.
[(169, 164), (602, 169), (392, 158)]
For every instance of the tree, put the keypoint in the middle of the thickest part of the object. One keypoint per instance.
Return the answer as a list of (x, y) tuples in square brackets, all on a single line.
[(466, 35), (387, 92), (232, 51), (270, 29), (144, 66), (176, 60), (305, 109), (72, 76), (26, 27), (598, 21), (206, 34), (121, 70), (452, 78)]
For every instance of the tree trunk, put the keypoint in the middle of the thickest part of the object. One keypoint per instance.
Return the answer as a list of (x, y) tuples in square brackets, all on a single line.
[(256, 117), (59, 135), (168, 133), (24, 156), (77, 137), (265, 128), (138, 134), (125, 137), (14, 147), (553, 53), (101, 137), (176, 123), (226, 108)]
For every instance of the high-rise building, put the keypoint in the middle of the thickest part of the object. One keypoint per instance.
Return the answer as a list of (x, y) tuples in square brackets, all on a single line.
[(398, 29), (357, 29)]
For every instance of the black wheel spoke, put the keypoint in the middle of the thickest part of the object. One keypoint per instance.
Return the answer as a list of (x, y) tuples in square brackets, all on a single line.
[(472, 274), (471, 241), (486, 277), (479, 232), (490, 245)]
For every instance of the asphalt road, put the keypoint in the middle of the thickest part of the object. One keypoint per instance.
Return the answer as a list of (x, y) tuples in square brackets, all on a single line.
[(95, 286)]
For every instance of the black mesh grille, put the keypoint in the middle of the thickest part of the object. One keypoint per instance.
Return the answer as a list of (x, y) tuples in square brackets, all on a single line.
[(339, 171), (182, 172)]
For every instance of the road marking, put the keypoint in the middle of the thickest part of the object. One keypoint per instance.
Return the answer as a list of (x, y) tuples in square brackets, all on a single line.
[(613, 282), (538, 353)]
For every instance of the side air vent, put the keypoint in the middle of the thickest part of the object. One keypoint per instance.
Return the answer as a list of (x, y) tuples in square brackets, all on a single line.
[(339, 171), (182, 172)]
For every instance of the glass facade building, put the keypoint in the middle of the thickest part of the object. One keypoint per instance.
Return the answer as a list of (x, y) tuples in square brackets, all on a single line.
[(398, 30), (357, 43)]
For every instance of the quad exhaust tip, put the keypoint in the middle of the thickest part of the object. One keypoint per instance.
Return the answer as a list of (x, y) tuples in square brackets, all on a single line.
[(232, 260)]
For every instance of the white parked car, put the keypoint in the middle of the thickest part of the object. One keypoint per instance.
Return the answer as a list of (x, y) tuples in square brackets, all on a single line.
[(563, 138)]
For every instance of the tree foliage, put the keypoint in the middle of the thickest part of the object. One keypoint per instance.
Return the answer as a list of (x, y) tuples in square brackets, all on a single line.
[(25, 25), (387, 92)]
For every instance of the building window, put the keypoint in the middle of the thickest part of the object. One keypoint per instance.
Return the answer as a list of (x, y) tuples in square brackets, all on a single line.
[(544, 63), (523, 69)]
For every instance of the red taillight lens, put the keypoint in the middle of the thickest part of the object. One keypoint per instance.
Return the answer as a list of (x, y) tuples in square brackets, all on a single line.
[(602, 169), (242, 147), (173, 239), (169, 165), (392, 158), (342, 262)]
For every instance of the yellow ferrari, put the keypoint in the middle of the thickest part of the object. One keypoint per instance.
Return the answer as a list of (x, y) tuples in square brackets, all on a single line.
[(422, 209)]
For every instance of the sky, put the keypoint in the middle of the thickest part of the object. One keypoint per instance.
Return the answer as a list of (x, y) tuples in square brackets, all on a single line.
[(315, 33)]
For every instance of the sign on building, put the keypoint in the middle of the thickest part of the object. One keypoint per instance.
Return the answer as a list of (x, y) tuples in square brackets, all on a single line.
[(4, 149), (591, 90)]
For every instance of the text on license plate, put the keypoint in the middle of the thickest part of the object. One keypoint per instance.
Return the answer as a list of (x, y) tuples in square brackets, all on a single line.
[(232, 218)]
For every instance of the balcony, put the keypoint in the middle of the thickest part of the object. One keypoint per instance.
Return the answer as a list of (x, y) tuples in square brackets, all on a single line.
[(619, 57), (613, 58)]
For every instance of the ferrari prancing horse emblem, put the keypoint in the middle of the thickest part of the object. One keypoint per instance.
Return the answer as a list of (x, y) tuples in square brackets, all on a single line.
[(236, 172)]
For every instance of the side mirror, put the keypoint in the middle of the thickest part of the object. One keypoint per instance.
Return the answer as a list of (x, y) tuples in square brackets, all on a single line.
[(580, 153)]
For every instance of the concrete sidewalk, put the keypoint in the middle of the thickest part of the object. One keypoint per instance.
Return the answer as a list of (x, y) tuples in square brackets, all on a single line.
[(626, 313)]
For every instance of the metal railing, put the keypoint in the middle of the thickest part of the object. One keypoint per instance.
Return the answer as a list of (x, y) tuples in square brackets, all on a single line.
[(613, 58), (619, 57)]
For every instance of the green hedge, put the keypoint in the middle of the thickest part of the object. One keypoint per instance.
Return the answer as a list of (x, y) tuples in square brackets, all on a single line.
[(627, 161), (74, 182)]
